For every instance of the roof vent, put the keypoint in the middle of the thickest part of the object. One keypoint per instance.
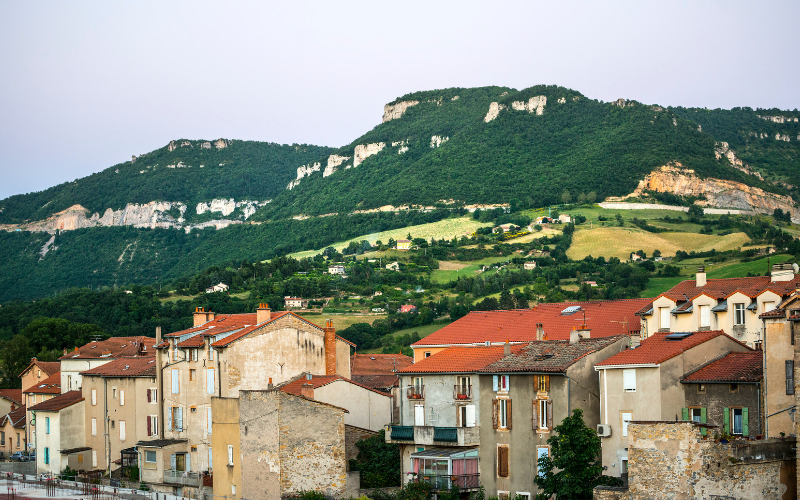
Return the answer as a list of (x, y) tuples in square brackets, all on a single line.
[(678, 335), (487, 343)]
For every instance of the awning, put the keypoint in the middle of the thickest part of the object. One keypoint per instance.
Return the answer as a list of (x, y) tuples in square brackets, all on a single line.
[(722, 306), (450, 453), (70, 451), (161, 443)]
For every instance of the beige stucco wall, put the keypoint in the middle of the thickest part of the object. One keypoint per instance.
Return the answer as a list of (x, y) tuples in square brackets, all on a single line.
[(368, 409), (225, 416), (9, 446), (66, 432), (778, 349), (419, 352), (71, 378)]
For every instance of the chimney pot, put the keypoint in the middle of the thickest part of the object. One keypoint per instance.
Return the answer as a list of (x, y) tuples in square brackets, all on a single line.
[(307, 390), (539, 331), (269, 384), (263, 313), (158, 335), (700, 280), (506, 348)]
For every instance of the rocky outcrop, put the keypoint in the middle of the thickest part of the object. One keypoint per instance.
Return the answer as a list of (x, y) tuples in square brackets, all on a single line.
[(722, 149), (437, 140), (676, 179), (622, 103), (333, 163), (394, 111), (171, 146), (779, 119), (782, 137), (562, 100), (535, 104), (304, 171), (206, 145), (494, 110), (362, 152), (403, 145), (221, 144)]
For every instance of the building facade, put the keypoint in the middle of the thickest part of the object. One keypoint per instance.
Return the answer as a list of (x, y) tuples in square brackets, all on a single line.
[(59, 436)]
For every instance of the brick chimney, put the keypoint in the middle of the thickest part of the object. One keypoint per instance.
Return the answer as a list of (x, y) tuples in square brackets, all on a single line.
[(307, 389), (506, 348), (330, 348), (539, 331), (263, 313), (701, 276), (269, 384), (201, 316)]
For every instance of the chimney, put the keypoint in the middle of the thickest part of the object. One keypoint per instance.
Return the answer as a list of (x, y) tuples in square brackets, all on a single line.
[(269, 384), (584, 332), (200, 316), (263, 313), (574, 337), (158, 335), (782, 272), (701, 276), (539, 331), (506, 348), (307, 390), (330, 348)]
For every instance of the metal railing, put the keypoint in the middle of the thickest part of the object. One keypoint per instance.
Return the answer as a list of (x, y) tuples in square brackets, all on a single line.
[(402, 432), (462, 392), (182, 478), (416, 392), (446, 482)]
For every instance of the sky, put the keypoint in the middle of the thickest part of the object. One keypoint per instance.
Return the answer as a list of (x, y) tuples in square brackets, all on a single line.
[(85, 85)]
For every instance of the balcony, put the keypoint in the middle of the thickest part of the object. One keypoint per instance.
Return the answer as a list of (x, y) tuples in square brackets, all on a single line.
[(442, 482), (182, 478), (416, 392), (462, 392), (430, 435)]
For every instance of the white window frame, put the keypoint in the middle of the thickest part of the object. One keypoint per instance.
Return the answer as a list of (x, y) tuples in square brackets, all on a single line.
[(208, 420), (147, 457), (738, 314), (625, 417), (692, 414), (210, 381), (176, 381), (230, 455), (542, 413), (153, 425), (153, 396), (94, 426), (419, 415), (502, 413), (629, 380), (705, 316), (94, 458)]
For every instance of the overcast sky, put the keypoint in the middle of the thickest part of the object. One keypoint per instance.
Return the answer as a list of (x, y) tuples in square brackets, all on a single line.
[(84, 85)]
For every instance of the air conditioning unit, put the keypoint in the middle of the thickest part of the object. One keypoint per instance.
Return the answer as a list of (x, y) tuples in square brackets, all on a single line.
[(603, 430)]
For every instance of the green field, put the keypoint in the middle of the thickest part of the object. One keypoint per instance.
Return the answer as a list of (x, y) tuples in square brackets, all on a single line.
[(440, 276)]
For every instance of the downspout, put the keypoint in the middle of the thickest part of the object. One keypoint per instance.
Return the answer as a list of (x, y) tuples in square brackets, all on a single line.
[(605, 394), (569, 400), (764, 363)]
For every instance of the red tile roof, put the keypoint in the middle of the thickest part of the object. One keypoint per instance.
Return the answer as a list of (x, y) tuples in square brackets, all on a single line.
[(48, 367), (113, 347), (604, 318), (50, 385), (554, 356), (59, 402), (220, 321), (735, 367), (17, 418), (126, 367), (295, 385), (461, 359), (14, 395), (378, 364), (656, 349), (383, 383)]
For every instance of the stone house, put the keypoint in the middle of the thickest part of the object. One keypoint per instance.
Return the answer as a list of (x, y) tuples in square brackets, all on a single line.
[(645, 384), (726, 393), (404, 244), (468, 436), (12, 432), (219, 287), (121, 407), (275, 444), (732, 305), (529, 266), (554, 321), (99, 353), (219, 356), (59, 437), (336, 269)]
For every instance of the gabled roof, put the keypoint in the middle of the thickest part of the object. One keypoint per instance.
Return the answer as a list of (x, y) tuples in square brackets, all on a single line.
[(50, 385), (13, 395), (548, 355), (658, 348), (378, 364), (48, 367), (383, 383), (131, 366), (734, 367), (59, 402), (605, 318), (460, 359), (16, 417), (220, 323), (295, 385), (114, 347)]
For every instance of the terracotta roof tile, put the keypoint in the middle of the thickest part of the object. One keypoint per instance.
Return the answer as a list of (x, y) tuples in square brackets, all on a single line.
[(219, 321), (59, 402), (604, 318), (295, 385), (126, 367), (14, 395), (735, 367), (657, 348), (378, 364), (17, 418), (383, 383), (723, 288), (48, 367), (113, 347), (50, 385), (775, 313), (461, 359), (549, 355)]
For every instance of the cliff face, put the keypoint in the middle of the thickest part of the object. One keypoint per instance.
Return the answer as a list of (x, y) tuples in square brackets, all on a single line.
[(394, 111), (681, 181)]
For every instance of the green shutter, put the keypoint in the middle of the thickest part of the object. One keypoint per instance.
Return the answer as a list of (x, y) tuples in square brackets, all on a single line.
[(703, 420), (685, 413), (726, 420), (745, 422)]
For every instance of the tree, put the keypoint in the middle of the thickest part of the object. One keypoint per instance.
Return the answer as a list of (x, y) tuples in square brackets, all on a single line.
[(566, 197), (573, 468), (378, 461), (506, 300)]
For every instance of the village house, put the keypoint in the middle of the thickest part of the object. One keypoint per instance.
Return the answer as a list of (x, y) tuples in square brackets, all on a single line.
[(12, 432), (732, 305), (407, 308), (10, 399), (336, 269), (404, 244), (39, 392), (467, 436), (393, 266), (121, 407), (59, 436), (219, 287), (529, 266), (295, 303), (554, 321), (98, 353), (645, 384), (379, 372)]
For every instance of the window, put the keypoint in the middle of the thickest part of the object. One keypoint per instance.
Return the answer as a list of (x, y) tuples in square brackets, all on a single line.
[(80, 458), (94, 426), (192, 375), (738, 314), (502, 461), (194, 354), (152, 396), (210, 381), (418, 388), (629, 380), (501, 418), (113, 393), (463, 388), (419, 415), (152, 425), (47, 455), (193, 409), (769, 306), (523, 495), (210, 460), (664, 312), (695, 414), (149, 457), (122, 430), (175, 381), (503, 495), (541, 451), (626, 418), (737, 420), (94, 397), (175, 418), (210, 353), (427, 354), (701, 388), (230, 455), (541, 383), (94, 458), (122, 398), (705, 316), (47, 425), (175, 350), (467, 415), (734, 387), (789, 377), (233, 489), (69, 384), (208, 420), (543, 414), (18, 440), (500, 383)]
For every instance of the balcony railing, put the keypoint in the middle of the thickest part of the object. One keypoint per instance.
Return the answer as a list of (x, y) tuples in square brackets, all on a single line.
[(402, 433), (462, 392), (182, 478), (444, 482), (430, 435), (445, 434), (416, 392)]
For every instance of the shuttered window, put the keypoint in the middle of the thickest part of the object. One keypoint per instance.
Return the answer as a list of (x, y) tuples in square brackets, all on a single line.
[(210, 381), (664, 317), (502, 461), (94, 397), (705, 316), (122, 434), (629, 380), (208, 419), (94, 426), (230, 454), (175, 381), (469, 416), (122, 398), (419, 415), (789, 377)]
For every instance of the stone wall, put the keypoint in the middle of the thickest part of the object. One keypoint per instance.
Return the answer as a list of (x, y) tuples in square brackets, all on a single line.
[(719, 396), (352, 435)]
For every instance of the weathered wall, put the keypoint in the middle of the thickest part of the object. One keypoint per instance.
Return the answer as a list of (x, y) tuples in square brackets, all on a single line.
[(225, 424), (778, 349), (352, 435), (72, 435), (368, 409), (719, 396)]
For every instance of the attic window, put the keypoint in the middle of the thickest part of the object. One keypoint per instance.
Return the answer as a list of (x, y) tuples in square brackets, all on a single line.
[(372, 358), (678, 336), (126, 367), (570, 310), (93, 347)]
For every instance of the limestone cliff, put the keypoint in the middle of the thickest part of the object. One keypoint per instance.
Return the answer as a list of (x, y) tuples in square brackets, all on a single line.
[(722, 149), (535, 104), (494, 110), (304, 171), (676, 179), (362, 152), (437, 141), (394, 111), (333, 163)]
